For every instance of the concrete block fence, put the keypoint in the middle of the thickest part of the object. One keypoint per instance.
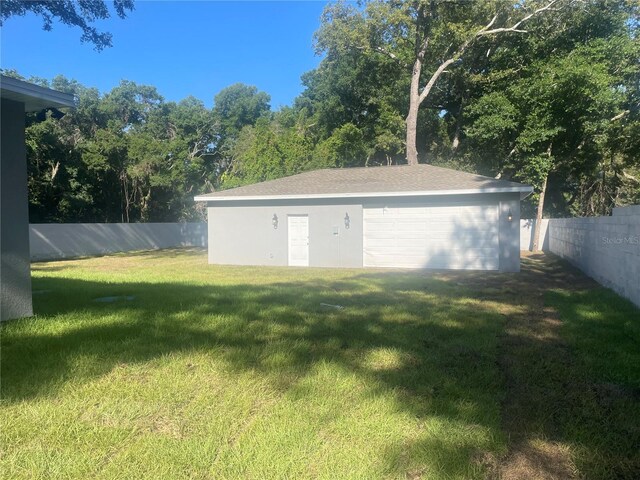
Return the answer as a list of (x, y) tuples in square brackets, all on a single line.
[(526, 234), (53, 241), (605, 248)]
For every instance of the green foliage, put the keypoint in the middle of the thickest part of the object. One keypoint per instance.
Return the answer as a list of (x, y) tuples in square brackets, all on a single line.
[(361, 91), (560, 103), (555, 115), (346, 147), (239, 105), (236, 107), (267, 151), (74, 14), (124, 156), (494, 118)]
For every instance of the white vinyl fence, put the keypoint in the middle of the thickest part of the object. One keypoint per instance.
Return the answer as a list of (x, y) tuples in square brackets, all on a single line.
[(67, 240)]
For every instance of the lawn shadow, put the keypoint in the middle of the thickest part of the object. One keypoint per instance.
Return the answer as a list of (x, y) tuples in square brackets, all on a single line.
[(564, 412), (559, 420), (436, 346), (459, 343)]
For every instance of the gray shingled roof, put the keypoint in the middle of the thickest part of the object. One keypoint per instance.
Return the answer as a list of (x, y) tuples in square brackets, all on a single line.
[(369, 181)]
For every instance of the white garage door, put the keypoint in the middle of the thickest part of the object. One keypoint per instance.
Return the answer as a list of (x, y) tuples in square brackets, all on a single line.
[(451, 237)]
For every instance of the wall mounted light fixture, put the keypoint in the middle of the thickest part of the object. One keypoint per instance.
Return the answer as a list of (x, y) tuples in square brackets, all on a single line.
[(509, 216), (347, 220), (274, 221)]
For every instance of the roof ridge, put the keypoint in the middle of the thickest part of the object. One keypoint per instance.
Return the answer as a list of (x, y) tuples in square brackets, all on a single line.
[(374, 167)]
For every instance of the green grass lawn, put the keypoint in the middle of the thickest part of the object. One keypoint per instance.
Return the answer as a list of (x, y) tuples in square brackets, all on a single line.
[(202, 371)]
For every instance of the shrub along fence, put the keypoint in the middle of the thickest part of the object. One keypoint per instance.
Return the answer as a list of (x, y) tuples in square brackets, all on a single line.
[(67, 240)]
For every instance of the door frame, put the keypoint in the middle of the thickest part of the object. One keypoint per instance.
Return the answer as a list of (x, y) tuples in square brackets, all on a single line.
[(289, 238)]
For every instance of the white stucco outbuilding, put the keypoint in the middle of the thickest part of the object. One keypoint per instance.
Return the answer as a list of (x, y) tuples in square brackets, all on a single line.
[(418, 216), (18, 97)]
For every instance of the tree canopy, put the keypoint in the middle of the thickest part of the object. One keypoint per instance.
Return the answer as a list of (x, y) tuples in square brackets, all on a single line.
[(79, 14), (429, 37), (557, 107)]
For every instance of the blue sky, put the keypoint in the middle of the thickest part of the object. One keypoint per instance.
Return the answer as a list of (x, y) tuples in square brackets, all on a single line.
[(182, 48)]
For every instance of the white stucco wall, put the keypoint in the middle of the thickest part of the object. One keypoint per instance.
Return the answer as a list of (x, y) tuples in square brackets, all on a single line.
[(241, 235), (67, 240)]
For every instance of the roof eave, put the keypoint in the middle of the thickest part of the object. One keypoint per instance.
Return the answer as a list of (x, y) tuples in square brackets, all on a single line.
[(33, 96), (525, 193), (524, 190)]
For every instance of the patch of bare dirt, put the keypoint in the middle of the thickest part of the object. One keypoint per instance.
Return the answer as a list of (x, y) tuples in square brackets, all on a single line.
[(538, 460)]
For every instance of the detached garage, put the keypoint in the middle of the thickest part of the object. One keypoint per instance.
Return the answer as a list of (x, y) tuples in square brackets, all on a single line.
[(398, 216)]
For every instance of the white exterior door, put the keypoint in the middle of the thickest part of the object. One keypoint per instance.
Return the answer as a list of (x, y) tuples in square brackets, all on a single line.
[(298, 226), (448, 237)]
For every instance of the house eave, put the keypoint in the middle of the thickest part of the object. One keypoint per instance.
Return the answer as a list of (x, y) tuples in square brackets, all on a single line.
[(34, 97), (524, 191)]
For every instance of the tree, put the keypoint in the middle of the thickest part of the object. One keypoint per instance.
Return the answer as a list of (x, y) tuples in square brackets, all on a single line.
[(239, 105), (236, 107), (344, 148), (427, 36), (124, 156), (557, 121), (362, 91), (192, 133), (76, 14), (267, 150)]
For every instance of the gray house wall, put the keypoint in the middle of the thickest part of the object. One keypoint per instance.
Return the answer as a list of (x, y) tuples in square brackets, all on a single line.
[(509, 232), (241, 233), (527, 229), (15, 273), (244, 235)]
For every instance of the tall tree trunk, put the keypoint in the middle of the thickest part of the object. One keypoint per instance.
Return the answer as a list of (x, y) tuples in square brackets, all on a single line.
[(456, 136), (144, 207), (455, 143), (125, 196), (412, 116), (54, 171), (603, 193), (416, 97), (536, 228)]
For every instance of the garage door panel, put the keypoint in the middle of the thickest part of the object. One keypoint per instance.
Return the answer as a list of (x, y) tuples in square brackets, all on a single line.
[(430, 226), (451, 263), (380, 243), (420, 243), (461, 244), (443, 238), (445, 262), (379, 225), (412, 227), (449, 237)]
